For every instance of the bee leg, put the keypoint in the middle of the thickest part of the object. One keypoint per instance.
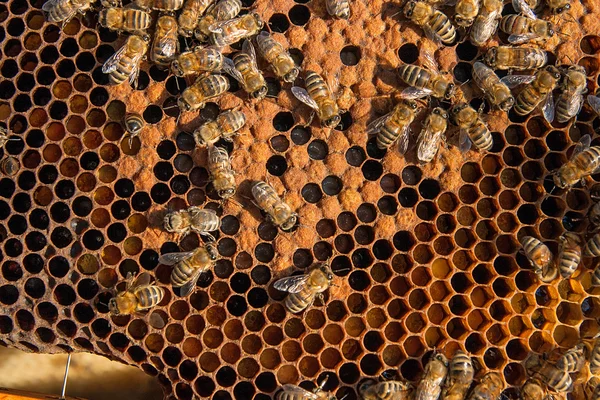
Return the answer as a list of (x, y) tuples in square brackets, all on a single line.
[(211, 238), (310, 120)]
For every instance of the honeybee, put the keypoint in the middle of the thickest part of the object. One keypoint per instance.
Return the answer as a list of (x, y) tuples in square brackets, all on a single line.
[(555, 378), (225, 126), (190, 15), (472, 128), (517, 58), (489, 387), (64, 10), (134, 123), (318, 96), (533, 389), (435, 24), (486, 22), (540, 257), (338, 8), (523, 29), (430, 385), (205, 88), (425, 81), (139, 295), (596, 276), (278, 58), (573, 87), (128, 19), (221, 172), (201, 59), (189, 266), (303, 289), (277, 210), (569, 254), (595, 357), (592, 247), (394, 126), (244, 69), (460, 377), (223, 10), (166, 42), (558, 6), (9, 165), (466, 12), (195, 219), (387, 390), (527, 7), (161, 5), (228, 32), (495, 90), (594, 215), (293, 392), (432, 134), (573, 359), (584, 161), (593, 388), (125, 63), (538, 92)]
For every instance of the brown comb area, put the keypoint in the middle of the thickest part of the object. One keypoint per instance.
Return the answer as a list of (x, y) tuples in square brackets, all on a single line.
[(425, 256)]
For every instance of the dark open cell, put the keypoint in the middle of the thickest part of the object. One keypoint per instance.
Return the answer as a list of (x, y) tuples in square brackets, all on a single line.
[(240, 282), (93, 239), (60, 212), (141, 201), (59, 266), (322, 250), (69, 47), (403, 241), (99, 77), (15, 27), (38, 219), (13, 248), (153, 114), (346, 221), (366, 213), (408, 53), (7, 187), (359, 280), (87, 289), (350, 55), (9, 68), (180, 184), (244, 391), (463, 72), (355, 156), (82, 206), (372, 170), (65, 68), (99, 96), (261, 274), (166, 149), (332, 185), (120, 209), (276, 165), (362, 258), (185, 142), (85, 61), (117, 232), (236, 305), (300, 135), (183, 163), (5, 211), (299, 15), (466, 51), (311, 192), (273, 86), (302, 258), (374, 151), (64, 189), (35, 138), (157, 74), (17, 224), (388, 205), (11, 271), (160, 193), (58, 110), (124, 187), (318, 149), (25, 82), (23, 103), (227, 247), (21, 202), (89, 160), (33, 263), (49, 55), (283, 121)]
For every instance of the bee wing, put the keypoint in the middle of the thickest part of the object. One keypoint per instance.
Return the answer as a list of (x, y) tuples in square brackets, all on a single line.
[(142, 279), (575, 104), (464, 142), (218, 27), (297, 392), (429, 62), (291, 284), (174, 258), (229, 68), (302, 95), (518, 39), (584, 143), (374, 126), (415, 93), (167, 45), (515, 80), (248, 48), (188, 287), (489, 25), (594, 102), (50, 4), (111, 64), (404, 139), (431, 35), (522, 7), (548, 108), (135, 71)]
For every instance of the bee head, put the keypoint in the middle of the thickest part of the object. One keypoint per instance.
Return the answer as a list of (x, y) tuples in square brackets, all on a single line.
[(292, 75), (212, 252), (260, 93), (551, 69), (462, 21), (113, 306), (409, 9), (441, 112), (333, 121), (412, 104), (490, 56), (326, 271), (507, 104), (176, 68), (560, 181), (366, 385), (259, 22), (227, 193), (560, 10), (183, 105), (289, 223), (550, 28), (450, 91)]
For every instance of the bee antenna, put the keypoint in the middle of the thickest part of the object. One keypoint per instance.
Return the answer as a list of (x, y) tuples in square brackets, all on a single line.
[(13, 139), (342, 270)]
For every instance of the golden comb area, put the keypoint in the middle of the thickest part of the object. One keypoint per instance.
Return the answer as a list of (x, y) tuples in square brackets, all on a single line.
[(426, 256)]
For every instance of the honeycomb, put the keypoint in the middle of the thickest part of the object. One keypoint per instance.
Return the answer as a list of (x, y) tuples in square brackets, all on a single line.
[(426, 257)]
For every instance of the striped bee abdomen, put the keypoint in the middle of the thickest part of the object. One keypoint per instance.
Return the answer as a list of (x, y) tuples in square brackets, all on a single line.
[(149, 296), (527, 101), (442, 26), (415, 76), (296, 302), (182, 273), (316, 86), (481, 136)]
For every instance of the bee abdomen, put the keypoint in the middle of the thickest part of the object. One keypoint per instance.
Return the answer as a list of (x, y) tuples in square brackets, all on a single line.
[(562, 109), (182, 273), (441, 25), (526, 101), (316, 86), (121, 74), (569, 262), (414, 76), (296, 302), (592, 247), (510, 23), (595, 356), (137, 20), (386, 136), (480, 136), (588, 160), (150, 296), (338, 8), (596, 282)]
